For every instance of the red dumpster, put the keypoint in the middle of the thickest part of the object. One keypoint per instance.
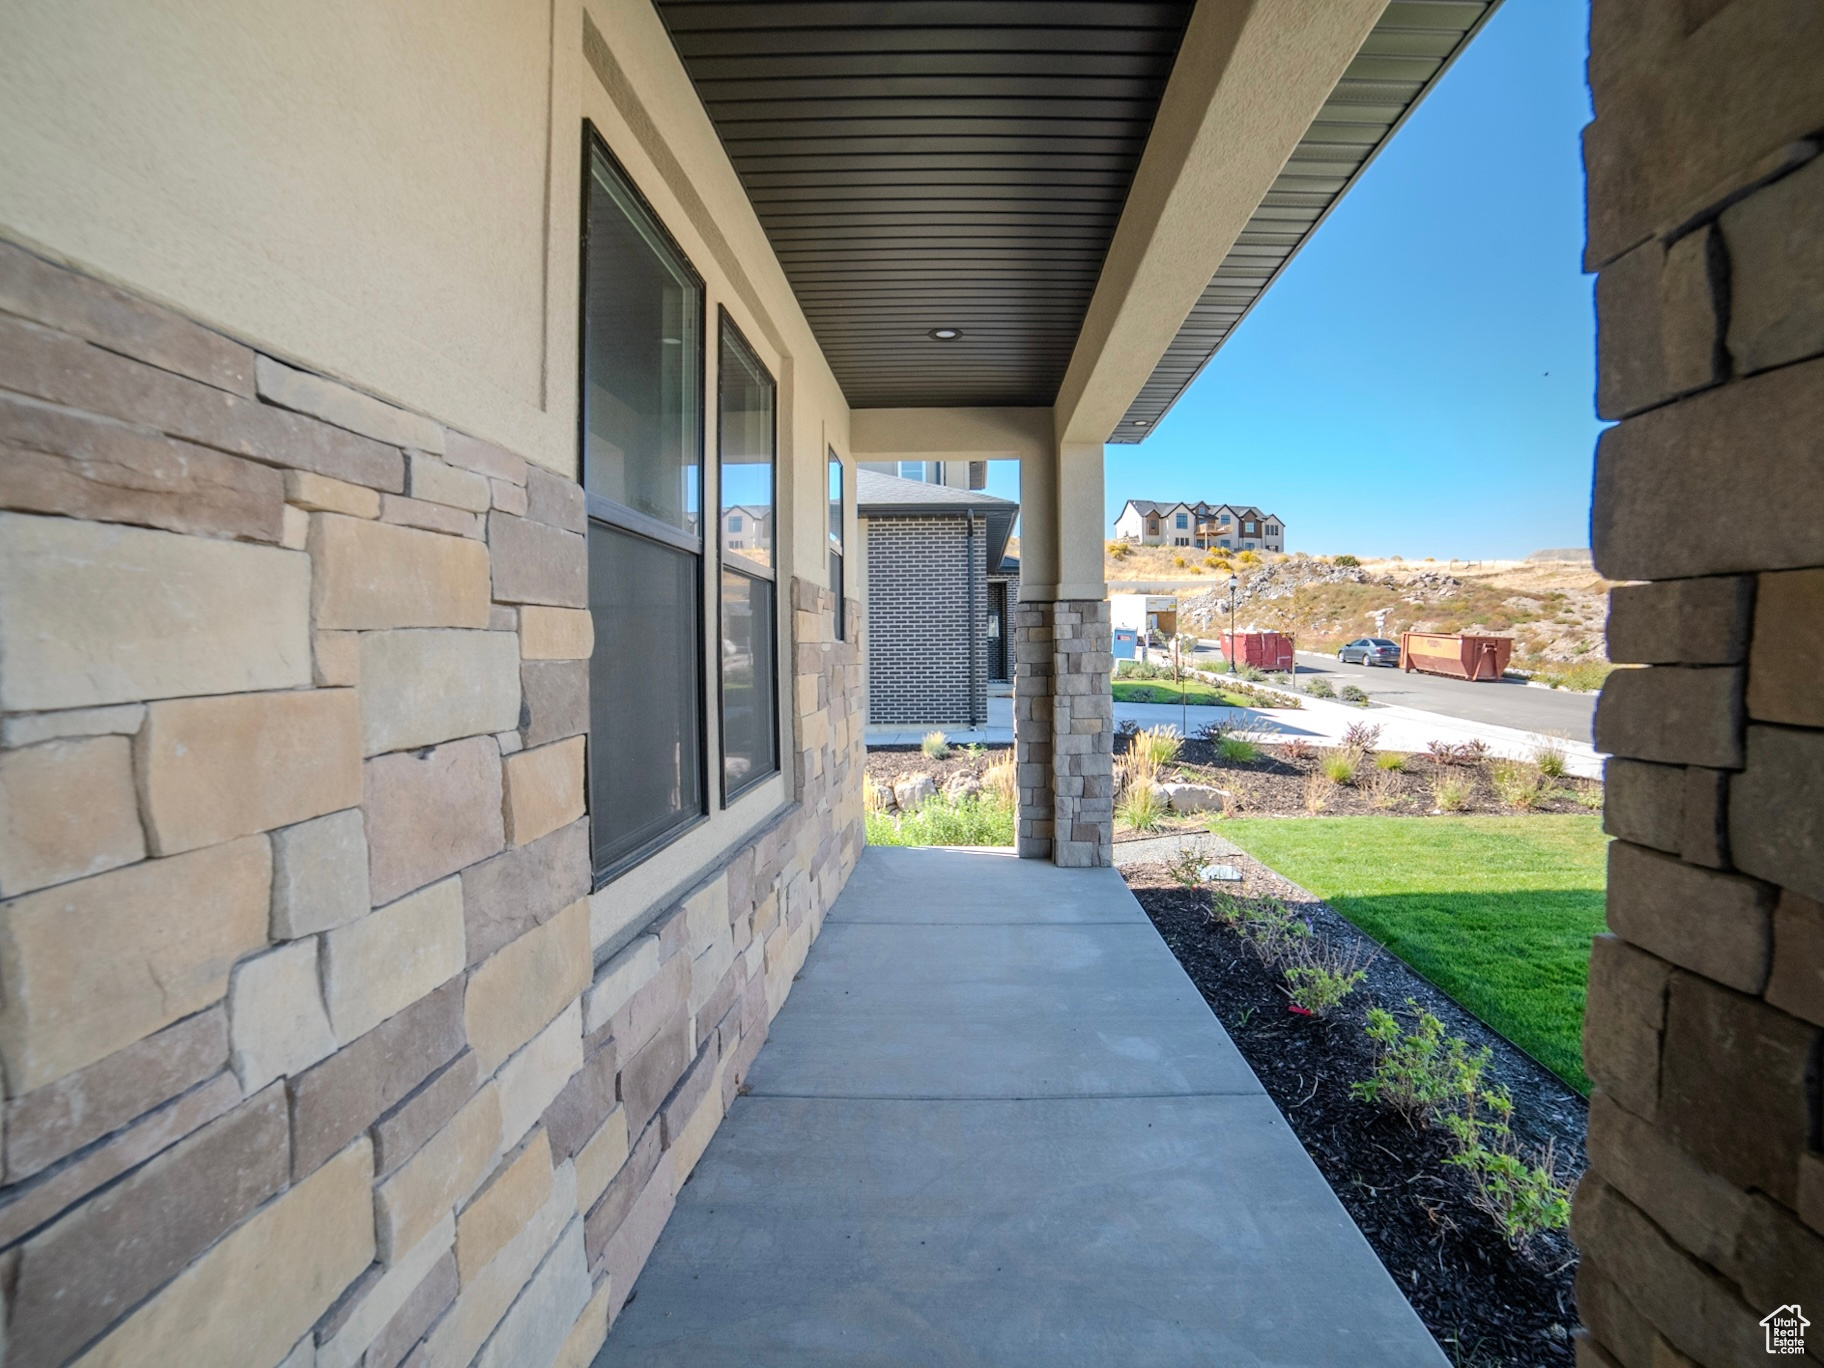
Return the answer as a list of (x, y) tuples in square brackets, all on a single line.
[(1262, 650), (1458, 655)]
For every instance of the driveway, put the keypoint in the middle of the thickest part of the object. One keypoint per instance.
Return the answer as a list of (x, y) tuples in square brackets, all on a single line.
[(1503, 702)]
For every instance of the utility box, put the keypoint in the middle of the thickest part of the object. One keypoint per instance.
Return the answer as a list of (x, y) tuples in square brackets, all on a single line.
[(1458, 655), (1262, 650), (1147, 614), (1124, 643)]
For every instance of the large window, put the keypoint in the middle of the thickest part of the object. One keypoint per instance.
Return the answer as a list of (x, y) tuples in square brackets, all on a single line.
[(745, 441), (642, 439), (836, 584)]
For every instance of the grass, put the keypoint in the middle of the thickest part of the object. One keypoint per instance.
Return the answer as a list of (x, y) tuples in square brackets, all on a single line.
[(1496, 911), (941, 821), (1586, 675), (1164, 691)]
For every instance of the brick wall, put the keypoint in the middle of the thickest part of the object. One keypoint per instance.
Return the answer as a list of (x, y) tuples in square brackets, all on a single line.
[(307, 1056), (1703, 1209), (927, 661)]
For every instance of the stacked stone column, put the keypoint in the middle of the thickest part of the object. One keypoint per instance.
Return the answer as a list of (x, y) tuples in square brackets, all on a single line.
[(1064, 731), (1703, 1210)]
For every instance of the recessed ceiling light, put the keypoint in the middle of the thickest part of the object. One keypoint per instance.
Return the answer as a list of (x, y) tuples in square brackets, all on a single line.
[(946, 334), (1140, 422)]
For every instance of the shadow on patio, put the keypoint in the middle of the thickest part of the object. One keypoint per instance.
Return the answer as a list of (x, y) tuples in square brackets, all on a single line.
[(996, 1124)]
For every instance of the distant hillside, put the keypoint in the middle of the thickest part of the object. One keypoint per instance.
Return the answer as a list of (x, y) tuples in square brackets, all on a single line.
[(1555, 610)]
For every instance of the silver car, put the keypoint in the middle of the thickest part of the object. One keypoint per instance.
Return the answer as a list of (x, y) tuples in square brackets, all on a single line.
[(1370, 651)]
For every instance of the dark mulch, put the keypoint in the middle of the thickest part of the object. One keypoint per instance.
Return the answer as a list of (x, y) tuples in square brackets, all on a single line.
[(1274, 785), (1486, 1304), (886, 764)]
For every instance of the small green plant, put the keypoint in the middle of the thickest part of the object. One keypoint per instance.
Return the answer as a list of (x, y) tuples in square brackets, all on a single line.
[(1226, 909), (1422, 1073), (1140, 808), (1451, 792), (1320, 688), (1271, 929), (1352, 693), (1344, 561), (1590, 798), (1319, 788), (1383, 789), (1390, 760), (1519, 784), (1362, 737), (1519, 1190), (1339, 765), (1586, 676), (1320, 975), (1187, 870), (1549, 756), (974, 751), (936, 746), (1237, 751), (1252, 673)]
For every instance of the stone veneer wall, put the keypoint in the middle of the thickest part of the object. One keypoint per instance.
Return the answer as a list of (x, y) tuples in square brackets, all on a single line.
[(307, 1058), (1703, 1209), (1063, 731)]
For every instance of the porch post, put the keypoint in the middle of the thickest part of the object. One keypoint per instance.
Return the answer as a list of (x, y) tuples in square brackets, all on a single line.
[(1063, 711)]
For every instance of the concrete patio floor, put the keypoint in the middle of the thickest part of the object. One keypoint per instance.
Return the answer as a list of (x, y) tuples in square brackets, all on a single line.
[(995, 1124)]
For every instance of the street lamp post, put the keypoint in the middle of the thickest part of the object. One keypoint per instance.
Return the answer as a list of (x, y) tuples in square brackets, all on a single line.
[(1234, 583)]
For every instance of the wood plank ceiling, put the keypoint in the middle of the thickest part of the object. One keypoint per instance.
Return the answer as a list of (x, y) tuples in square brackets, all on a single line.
[(935, 164), (961, 164), (1408, 50)]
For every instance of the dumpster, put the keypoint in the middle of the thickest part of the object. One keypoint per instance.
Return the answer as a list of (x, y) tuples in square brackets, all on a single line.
[(1458, 655), (1262, 650)]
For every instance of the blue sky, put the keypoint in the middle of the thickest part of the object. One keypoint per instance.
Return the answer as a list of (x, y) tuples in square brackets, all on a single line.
[(1420, 380)]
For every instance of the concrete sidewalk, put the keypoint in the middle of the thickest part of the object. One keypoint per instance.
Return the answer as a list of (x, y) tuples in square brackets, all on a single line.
[(995, 1124)]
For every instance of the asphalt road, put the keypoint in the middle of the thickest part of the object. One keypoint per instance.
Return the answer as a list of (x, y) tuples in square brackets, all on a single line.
[(1503, 702)]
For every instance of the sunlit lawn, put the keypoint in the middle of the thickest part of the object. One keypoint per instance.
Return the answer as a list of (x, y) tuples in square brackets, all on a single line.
[(1164, 691), (1496, 911)]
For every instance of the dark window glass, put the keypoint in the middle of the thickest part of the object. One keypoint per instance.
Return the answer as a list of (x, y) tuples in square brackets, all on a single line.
[(645, 691), (842, 624), (745, 431), (836, 586), (750, 734), (642, 360), (642, 425)]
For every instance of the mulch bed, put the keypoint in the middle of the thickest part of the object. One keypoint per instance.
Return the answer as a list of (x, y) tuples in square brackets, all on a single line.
[(887, 764), (1274, 785), (1486, 1304)]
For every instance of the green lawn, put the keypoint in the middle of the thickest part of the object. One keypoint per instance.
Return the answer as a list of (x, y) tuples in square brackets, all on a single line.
[(1497, 911), (1164, 691)]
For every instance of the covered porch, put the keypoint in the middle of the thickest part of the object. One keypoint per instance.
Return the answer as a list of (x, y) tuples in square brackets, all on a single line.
[(996, 1124)]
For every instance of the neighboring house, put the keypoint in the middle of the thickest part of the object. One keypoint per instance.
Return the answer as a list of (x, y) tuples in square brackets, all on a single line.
[(955, 474), (1206, 527), (938, 595), (746, 528)]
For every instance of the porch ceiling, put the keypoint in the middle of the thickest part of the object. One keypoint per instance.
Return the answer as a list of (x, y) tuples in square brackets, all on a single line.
[(936, 164), (1410, 47)]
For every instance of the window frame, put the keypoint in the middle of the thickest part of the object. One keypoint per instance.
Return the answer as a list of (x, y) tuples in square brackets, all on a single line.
[(741, 565), (838, 531), (621, 518)]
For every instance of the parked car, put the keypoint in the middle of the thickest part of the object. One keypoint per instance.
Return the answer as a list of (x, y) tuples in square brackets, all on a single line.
[(1370, 651)]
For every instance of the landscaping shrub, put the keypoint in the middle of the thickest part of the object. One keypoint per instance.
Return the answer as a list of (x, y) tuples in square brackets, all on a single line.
[(1320, 688), (1270, 929), (1339, 765), (1590, 798), (1319, 975), (1119, 549), (1519, 1190), (1298, 749), (1127, 729), (1473, 751), (1237, 751), (1352, 693), (1344, 560), (936, 746), (1390, 760), (1451, 792), (1139, 808), (1001, 783), (980, 820), (1422, 1074), (1187, 870), (1214, 733), (1443, 753), (1519, 784), (1362, 737), (1253, 674), (1159, 744), (1318, 788), (1383, 788), (1549, 756)]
